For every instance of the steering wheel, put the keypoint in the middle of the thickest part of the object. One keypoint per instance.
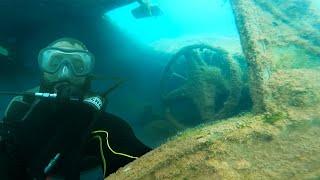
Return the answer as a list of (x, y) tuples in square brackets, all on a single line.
[(206, 76)]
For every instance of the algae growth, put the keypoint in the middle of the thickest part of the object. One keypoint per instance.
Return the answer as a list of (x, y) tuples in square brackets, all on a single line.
[(239, 148), (279, 139)]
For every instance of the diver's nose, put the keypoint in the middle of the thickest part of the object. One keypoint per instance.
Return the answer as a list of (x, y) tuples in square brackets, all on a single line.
[(64, 73)]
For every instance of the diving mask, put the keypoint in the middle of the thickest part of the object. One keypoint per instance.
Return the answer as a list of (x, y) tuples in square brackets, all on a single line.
[(81, 62)]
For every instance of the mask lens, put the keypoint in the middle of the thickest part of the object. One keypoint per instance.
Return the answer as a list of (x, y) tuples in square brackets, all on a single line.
[(50, 60), (81, 62), (55, 61), (78, 64)]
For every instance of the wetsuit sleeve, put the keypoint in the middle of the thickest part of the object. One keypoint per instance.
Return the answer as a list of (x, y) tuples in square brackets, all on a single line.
[(10, 169), (119, 143), (10, 166), (123, 136), (16, 109)]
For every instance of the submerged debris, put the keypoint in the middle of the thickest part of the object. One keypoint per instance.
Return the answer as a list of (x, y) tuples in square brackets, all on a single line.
[(210, 76), (280, 138)]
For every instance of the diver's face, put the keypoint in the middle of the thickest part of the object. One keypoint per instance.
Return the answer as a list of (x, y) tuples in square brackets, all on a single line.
[(66, 64)]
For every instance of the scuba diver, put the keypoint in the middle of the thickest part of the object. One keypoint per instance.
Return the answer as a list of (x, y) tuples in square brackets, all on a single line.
[(60, 129)]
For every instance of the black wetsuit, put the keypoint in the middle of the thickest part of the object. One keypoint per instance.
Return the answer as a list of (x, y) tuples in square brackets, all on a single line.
[(34, 132)]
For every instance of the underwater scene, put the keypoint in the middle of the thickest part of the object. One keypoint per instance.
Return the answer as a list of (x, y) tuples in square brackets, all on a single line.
[(159, 89)]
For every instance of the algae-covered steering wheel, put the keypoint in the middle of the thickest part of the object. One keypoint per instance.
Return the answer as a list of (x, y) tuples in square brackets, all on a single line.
[(202, 74)]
